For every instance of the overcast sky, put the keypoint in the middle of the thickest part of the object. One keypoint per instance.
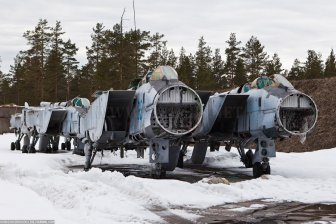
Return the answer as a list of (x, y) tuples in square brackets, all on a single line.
[(288, 27)]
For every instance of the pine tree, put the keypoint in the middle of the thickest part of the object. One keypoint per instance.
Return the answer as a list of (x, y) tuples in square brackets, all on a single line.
[(330, 65), (313, 65), (254, 58), (172, 59), (204, 78), (297, 71), (95, 54), (7, 92), (135, 64), (155, 58), (70, 64), (273, 66), (185, 68), (240, 75), (232, 54), (54, 69), (218, 69), (39, 41)]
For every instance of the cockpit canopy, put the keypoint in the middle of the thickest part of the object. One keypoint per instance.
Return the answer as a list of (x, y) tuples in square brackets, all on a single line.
[(160, 73), (265, 82), (80, 102), (164, 73)]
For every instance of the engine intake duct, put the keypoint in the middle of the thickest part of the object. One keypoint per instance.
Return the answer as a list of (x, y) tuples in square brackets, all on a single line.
[(297, 114)]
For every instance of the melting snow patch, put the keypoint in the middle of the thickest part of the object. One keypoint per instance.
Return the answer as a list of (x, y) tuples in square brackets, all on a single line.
[(243, 209), (215, 180), (184, 214)]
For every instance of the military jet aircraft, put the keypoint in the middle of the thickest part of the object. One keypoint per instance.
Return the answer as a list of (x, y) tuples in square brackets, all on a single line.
[(38, 123), (260, 112), (159, 113)]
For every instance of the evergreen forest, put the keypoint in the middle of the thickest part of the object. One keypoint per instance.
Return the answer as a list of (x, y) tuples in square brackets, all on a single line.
[(49, 71)]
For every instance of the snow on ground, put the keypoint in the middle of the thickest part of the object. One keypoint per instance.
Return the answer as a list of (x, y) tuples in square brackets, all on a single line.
[(40, 186)]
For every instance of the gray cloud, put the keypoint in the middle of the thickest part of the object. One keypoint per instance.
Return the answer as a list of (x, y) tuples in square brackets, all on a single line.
[(288, 27)]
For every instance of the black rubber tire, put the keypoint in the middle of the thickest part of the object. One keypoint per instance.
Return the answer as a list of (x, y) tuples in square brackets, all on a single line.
[(44, 143), (180, 160), (17, 145), (54, 146), (63, 146), (68, 145), (158, 174), (260, 169), (257, 170), (174, 152), (48, 149), (12, 147), (267, 170), (228, 147), (25, 149), (31, 149), (199, 152), (248, 159)]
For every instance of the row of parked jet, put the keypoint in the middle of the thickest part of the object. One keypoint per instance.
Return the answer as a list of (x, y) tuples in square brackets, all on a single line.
[(165, 115)]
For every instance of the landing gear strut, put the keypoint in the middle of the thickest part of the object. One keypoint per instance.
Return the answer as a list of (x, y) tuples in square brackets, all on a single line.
[(31, 147), (248, 159), (258, 160), (183, 152), (88, 156), (164, 154)]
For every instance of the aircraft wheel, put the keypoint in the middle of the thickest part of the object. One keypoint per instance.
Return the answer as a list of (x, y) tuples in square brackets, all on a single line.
[(55, 148), (24, 149), (228, 147), (31, 149), (17, 145), (68, 145), (12, 147), (261, 169), (122, 152), (158, 172), (248, 159), (180, 160), (48, 149), (199, 152), (63, 146), (267, 168)]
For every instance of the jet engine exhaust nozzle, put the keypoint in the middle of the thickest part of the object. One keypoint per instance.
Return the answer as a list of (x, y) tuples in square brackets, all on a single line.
[(178, 110), (297, 114)]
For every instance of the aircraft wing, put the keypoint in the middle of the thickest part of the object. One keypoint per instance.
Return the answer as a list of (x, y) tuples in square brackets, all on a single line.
[(226, 119), (108, 116), (220, 114)]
